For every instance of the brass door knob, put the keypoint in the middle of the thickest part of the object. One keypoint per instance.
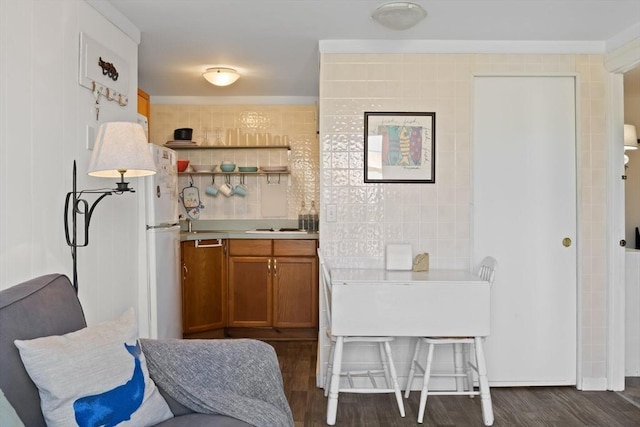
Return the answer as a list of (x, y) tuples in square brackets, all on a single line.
[(566, 242)]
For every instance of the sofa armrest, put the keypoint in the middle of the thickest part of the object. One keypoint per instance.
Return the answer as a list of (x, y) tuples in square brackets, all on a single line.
[(237, 378)]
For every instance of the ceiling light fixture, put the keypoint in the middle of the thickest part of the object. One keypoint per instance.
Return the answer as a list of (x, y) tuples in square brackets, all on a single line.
[(221, 76), (399, 15)]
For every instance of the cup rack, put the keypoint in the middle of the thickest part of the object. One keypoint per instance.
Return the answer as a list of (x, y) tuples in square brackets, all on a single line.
[(195, 146), (259, 172)]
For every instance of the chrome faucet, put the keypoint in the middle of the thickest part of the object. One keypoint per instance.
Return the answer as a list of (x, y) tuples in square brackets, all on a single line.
[(189, 225)]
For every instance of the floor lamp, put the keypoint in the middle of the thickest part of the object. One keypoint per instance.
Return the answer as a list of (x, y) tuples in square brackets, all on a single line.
[(120, 149)]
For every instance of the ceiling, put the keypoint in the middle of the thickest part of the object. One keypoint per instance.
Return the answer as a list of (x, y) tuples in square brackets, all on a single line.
[(274, 43)]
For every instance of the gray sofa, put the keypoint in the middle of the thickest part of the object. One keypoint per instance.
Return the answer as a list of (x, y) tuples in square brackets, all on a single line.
[(48, 305)]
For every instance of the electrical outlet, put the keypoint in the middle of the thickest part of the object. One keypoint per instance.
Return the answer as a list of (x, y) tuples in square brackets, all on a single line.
[(332, 213), (91, 137)]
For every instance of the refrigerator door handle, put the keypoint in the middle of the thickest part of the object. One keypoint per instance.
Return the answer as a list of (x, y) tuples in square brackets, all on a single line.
[(215, 245), (155, 227)]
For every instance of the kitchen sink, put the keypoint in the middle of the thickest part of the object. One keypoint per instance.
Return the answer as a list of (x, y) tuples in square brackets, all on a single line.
[(204, 232), (276, 231)]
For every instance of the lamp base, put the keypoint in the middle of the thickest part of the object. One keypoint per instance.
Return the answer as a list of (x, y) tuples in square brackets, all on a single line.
[(123, 187)]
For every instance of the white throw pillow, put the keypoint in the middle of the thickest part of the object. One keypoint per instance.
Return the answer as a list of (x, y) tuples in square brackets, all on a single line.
[(95, 376), (8, 415)]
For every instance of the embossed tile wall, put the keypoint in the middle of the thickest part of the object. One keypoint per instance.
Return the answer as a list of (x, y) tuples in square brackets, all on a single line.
[(292, 124), (435, 218)]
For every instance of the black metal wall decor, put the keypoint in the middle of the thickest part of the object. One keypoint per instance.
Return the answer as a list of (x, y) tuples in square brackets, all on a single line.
[(108, 69)]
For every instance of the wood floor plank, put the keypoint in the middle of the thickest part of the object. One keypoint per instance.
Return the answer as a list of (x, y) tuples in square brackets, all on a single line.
[(518, 406)]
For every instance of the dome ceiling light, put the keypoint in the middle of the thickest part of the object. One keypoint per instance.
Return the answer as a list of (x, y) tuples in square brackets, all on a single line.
[(221, 76), (399, 15)]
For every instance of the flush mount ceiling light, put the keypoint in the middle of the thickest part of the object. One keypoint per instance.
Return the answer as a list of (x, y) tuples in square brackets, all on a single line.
[(399, 15), (221, 76)]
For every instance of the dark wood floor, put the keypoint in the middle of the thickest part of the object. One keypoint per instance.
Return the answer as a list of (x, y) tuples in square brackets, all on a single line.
[(632, 390), (523, 406)]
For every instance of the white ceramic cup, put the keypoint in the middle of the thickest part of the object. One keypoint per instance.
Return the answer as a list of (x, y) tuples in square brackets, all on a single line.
[(226, 189)]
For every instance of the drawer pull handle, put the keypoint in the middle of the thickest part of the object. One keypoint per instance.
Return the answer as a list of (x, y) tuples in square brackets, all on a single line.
[(215, 245)]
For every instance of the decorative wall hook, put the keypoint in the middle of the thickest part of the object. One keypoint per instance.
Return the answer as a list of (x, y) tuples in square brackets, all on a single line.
[(108, 69), (109, 94)]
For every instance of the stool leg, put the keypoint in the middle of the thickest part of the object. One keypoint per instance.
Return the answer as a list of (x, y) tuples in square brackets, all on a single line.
[(485, 394), (412, 369), (394, 378), (458, 363), (334, 386), (425, 385), (467, 365), (385, 365), (327, 375)]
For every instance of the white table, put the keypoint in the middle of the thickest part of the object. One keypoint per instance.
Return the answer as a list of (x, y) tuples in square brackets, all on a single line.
[(377, 302)]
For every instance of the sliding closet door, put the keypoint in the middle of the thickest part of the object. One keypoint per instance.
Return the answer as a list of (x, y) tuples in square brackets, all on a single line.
[(524, 214)]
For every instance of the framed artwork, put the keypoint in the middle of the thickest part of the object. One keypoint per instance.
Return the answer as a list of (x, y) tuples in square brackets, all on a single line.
[(399, 147)]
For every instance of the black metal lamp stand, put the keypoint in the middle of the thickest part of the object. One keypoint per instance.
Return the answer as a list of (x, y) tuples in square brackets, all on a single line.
[(81, 207)]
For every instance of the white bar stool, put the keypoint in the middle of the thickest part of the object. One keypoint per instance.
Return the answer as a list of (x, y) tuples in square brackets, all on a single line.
[(462, 365), (332, 387)]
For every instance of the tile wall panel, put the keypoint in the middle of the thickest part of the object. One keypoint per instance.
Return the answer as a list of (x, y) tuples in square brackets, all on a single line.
[(292, 124), (436, 218)]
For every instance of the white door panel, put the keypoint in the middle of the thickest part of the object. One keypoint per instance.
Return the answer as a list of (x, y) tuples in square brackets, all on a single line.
[(524, 205)]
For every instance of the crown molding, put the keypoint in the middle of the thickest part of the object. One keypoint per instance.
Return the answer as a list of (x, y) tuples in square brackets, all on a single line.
[(461, 46)]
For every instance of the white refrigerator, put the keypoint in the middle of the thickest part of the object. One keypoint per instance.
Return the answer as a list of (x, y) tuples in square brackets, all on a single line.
[(164, 296)]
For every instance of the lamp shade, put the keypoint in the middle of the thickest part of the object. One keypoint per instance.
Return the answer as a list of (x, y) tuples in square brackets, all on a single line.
[(221, 76), (121, 147), (630, 137)]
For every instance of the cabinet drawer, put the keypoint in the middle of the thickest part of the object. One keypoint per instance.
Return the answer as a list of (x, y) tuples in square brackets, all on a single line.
[(294, 247), (258, 247)]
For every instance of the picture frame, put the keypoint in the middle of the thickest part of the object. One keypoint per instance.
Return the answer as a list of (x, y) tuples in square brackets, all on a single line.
[(399, 147)]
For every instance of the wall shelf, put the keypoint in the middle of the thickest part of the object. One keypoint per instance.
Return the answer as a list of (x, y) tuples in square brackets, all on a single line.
[(286, 172), (226, 147)]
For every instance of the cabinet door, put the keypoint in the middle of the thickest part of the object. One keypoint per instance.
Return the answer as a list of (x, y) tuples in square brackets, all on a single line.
[(204, 300), (144, 108), (295, 292), (250, 291)]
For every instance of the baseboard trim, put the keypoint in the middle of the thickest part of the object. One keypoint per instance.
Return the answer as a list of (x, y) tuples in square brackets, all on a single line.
[(594, 384)]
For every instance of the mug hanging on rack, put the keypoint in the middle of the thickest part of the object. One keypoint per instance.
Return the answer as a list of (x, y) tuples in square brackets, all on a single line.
[(227, 188), (212, 190)]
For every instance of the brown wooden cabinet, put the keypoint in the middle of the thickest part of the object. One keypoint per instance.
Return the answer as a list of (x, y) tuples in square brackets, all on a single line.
[(250, 291), (273, 284), (295, 287), (144, 107), (204, 290)]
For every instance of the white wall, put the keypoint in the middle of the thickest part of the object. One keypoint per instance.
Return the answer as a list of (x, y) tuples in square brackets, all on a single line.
[(632, 184), (632, 313), (43, 118), (436, 218)]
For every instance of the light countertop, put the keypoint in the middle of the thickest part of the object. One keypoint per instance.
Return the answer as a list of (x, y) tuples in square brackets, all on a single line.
[(241, 229)]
